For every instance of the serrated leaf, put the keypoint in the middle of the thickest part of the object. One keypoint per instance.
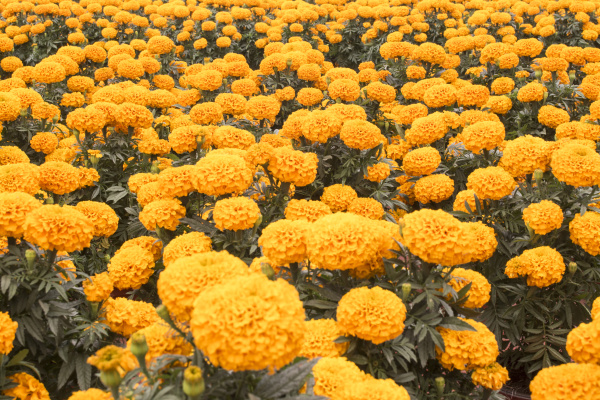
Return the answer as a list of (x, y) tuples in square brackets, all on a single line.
[(455, 324), (84, 372), (285, 381)]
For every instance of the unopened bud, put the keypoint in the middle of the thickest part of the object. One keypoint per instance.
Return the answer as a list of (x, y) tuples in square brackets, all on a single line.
[(106, 257), (50, 200), (163, 313), (538, 73), (406, 288), (30, 256), (23, 112), (193, 381), (139, 346), (94, 161), (572, 76), (545, 96), (572, 267), (440, 385), (267, 270), (538, 174), (55, 119), (289, 62), (154, 169), (110, 378)]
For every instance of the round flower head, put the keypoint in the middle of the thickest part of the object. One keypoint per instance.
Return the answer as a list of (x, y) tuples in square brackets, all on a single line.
[(567, 382), (52, 227), (421, 161), (426, 130), (467, 196), (185, 245), (263, 107), (125, 317), (222, 174), (437, 237), (58, 177), (484, 240), (596, 309), (483, 135), (585, 232), (236, 213), (344, 89), (479, 293), (162, 214), (91, 394), (583, 343), (491, 183), (12, 155), (131, 267), (99, 289), (375, 389), (319, 126), (492, 376), (433, 188), (161, 340), (104, 218), (367, 207), (333, 374), (246, 306), (361, 135), (543, 217), (338, 197), (344, 241), (9, 329), (149, 243), (524, 155), (14, 208), (306, 210), (552, 117), (45, 142), (319, 340), (543, 266), (22, 177), (284, 241), (576, 165), (467, 349), (373, 314), (184, 279), (294, 166), (27, 388)]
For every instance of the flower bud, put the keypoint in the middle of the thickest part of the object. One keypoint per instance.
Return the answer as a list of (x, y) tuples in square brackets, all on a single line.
[(107, 257), (267, 270), (401, 226), (110, 378), (94, 161), (406, 288), (572, 75), (139, 346), (538, 174), (154, 169), (538, 74), (23, 112), (572, 267), (289, 62), (193, 381), (440, 384), (30, 256), (163, 313), (50, 200), (545, 96)]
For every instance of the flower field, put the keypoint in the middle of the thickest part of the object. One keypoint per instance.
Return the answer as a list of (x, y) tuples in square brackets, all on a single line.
[(301, 200)]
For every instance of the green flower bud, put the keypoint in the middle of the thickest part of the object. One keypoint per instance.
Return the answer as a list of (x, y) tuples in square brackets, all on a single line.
[(572, 267), (572, 75), (538, 174), (50, 200), (30, 256), (538, 74), (193, 381), (154, 169), (267, 270), (139, 346), (163, 313), (440, 384), (110, 378), (406, 288), (24, 112)]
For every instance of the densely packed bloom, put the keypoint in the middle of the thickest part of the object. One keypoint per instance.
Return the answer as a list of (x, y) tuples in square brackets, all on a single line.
[(468, 349), (543, 266), (567, 381)]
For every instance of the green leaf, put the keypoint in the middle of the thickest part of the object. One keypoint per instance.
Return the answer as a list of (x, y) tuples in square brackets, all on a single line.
[(20, 356), (455, 324), (84, 372), (66, 370), (285, 381)]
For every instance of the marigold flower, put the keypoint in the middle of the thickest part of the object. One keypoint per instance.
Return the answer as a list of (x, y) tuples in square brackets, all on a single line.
[(161, 339), (479, 293), (14, 208), (375, 389), (585, 232), (543, 217), (566, 382), (361, 135), (306, 210), (543, 266), (236, 213), (222, 174), (284, 241), (100, 287), (27, 388), (583, 345), (366, 207), (9, 330), (320, 337), (294, 166), (58, 177), (90, 394), (260, 341), (373, 314), (263, 107), (206, 113), (426, 130), (338, 197), (332, 375), (52, 227), (576, 165), (483, 135), (125, 317), (103, 218), (344, 89), (533, 91), (20, 177), (433, 188), (467, 349), (492, 376), (491, 183), (162, 214)]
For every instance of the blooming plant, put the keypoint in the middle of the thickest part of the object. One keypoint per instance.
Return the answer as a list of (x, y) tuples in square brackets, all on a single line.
[(346, 200)]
